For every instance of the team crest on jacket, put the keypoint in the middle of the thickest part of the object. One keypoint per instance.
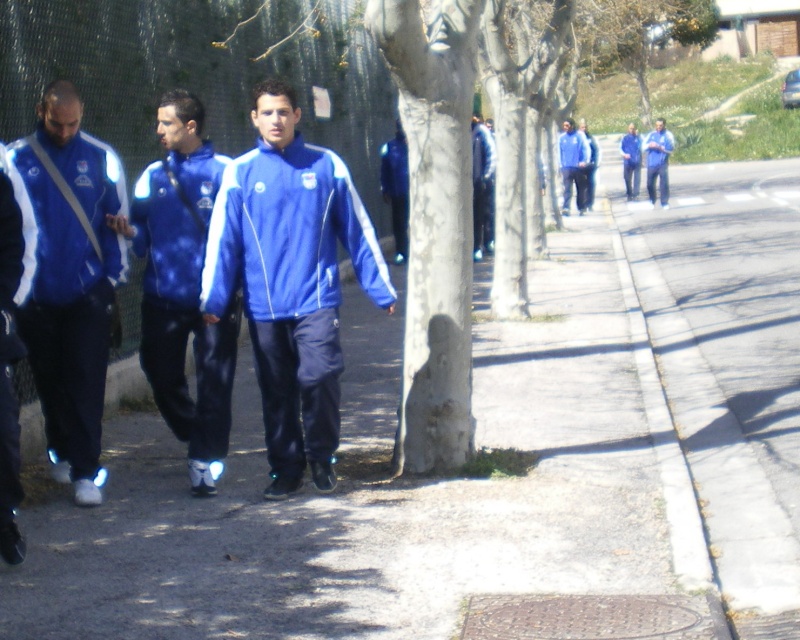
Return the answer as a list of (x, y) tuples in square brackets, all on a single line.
[(310, 180), (259, 187), (83, 166), (206, 188)]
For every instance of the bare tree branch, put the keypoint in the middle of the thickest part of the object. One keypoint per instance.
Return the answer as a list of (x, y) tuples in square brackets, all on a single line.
[(306, 26)]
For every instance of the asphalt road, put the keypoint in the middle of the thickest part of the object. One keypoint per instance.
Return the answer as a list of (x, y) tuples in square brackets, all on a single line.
[(717, 277)]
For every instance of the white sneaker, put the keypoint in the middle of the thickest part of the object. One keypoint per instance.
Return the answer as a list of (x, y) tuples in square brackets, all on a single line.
[(202, 478), (87, 493)]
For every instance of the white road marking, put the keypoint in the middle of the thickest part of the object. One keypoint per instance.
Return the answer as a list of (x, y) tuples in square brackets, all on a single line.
[(690, 202)]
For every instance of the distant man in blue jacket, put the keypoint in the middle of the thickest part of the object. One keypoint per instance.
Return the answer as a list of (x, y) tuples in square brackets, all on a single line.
[(574, 153), (169, 225), (484, 166), (68, 282), (659, 145), (275, 224), (395, 187), (630, 148)]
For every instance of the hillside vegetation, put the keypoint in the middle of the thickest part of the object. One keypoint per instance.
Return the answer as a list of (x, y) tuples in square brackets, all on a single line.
[(756, 127)]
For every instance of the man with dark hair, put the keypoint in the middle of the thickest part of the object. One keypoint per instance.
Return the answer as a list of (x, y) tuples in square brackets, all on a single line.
[(395, 187), (574, 154), (484, 164), (65, 182), (590, 170), (659, 145), (12, 544), (275, 223), (630, 147), (171, 207)]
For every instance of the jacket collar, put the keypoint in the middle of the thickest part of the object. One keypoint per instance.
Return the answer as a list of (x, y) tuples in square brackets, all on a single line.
[(201, 153), (266, 147)]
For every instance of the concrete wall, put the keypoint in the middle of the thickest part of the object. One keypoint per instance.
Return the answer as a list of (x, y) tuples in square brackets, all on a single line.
[(736, 44)]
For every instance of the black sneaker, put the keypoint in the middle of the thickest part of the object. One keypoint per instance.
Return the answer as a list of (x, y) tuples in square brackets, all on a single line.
[(282, 487), (324, 476), (12, 544)]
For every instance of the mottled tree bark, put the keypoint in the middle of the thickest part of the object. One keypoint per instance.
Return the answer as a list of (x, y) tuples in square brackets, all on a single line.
[(435, 79)]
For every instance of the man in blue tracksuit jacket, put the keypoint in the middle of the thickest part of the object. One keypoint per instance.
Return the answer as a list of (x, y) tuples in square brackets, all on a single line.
[(66, 321), (395, 188), (630, 148), (484, 165), (574, 154), (275, 223), (659, 145), (173, 238)]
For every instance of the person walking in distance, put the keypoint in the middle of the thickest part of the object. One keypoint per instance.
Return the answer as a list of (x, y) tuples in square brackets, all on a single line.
[(574, 154), (65, 182), (659, 145), (170, 210), (590, 170), (275, 222), (630, 148), (491, 208), (484, 163), (395, 188)]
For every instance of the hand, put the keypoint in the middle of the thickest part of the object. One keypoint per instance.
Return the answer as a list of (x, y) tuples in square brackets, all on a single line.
[(390, 309), (119, 224), (210, 318)]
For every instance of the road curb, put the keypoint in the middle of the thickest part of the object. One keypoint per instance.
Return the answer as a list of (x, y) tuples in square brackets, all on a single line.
[(690, 558)]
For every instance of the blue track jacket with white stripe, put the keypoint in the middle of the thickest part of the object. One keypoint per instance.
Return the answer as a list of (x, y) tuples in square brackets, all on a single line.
[(60, 263), (167, 232), (276, 221)]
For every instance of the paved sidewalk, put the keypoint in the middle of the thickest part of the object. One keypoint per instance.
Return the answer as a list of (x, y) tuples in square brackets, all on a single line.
[(603, 514)]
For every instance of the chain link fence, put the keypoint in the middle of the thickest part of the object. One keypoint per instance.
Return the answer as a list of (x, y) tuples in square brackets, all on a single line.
[(124, 55)]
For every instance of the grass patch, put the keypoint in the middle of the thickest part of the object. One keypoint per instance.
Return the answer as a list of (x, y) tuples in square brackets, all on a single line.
[(482, 317), (375, 465), (499, 463), (547, 317), (39, 488), (364, 464), (681, 93)]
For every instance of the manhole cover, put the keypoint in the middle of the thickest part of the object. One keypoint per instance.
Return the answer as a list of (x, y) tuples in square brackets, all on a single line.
[(588, 618)]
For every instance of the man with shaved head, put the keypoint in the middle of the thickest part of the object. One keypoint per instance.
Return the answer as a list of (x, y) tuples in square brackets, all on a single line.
[(66, 182)]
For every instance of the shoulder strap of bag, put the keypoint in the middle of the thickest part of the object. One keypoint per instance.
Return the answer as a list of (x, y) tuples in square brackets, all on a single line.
[(68, 193), (184, 198)]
